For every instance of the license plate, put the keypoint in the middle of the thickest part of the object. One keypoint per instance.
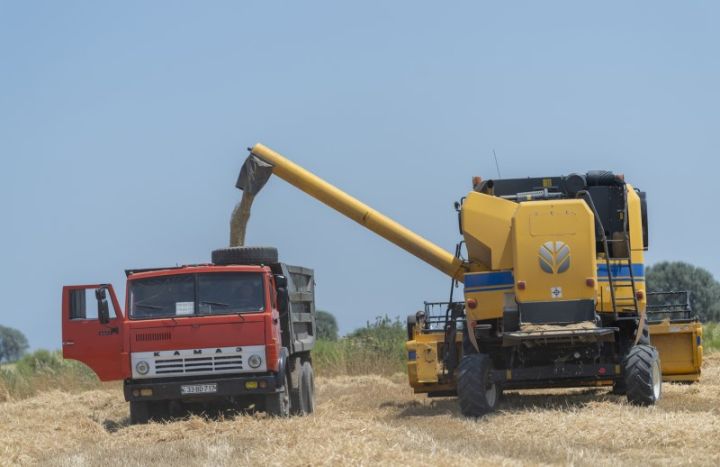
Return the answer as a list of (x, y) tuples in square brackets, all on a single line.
[(198, 388)]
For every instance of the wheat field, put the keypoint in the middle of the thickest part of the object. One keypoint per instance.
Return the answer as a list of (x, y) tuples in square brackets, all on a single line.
[(368, 420)]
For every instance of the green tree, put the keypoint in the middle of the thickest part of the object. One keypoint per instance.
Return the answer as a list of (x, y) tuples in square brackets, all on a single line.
[(677, 275), (13, 344), (326, 326)]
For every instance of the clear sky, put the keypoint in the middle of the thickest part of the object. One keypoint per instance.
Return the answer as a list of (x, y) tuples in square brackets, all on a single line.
[(123, 127)]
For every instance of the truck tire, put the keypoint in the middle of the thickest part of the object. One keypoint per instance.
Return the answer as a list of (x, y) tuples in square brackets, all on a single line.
[(245, 255), (278, 404), (643, 377), (478, 394), (139, 412), (307, 382), (296, 388)]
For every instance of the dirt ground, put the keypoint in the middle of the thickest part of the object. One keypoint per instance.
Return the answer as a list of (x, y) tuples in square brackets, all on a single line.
[(368, 420)]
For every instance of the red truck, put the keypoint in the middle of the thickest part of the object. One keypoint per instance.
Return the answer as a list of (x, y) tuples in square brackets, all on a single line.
[(239, 330)]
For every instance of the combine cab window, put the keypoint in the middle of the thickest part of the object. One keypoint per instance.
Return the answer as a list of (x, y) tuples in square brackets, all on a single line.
[(196, 294)]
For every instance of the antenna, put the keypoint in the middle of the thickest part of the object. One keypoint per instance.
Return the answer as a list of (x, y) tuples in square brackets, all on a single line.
[(497, 166)]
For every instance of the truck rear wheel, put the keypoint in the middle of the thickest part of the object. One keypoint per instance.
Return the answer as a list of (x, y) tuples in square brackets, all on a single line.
[(478, 394), (296, 388), (643, 377), (245, 255), (307, 382), (278, 404)]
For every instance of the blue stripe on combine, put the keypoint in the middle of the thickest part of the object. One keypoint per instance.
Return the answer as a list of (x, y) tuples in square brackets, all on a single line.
[(620, 271), (488, 289), (489, 279)]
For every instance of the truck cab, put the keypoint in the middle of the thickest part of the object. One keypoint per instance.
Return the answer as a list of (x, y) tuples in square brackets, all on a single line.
[(240, 332)]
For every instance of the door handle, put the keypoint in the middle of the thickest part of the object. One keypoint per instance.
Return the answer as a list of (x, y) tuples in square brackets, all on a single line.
[(68, 343)]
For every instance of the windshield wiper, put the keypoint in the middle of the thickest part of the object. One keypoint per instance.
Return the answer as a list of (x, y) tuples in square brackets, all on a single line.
[(225, 305)]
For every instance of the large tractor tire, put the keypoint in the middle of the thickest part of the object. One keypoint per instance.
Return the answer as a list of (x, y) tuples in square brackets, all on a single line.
[(245, 255), (278, 404), (478, 394), (643, 376)]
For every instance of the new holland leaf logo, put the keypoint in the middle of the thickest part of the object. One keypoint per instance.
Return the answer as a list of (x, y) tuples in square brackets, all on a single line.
[(554, 257)]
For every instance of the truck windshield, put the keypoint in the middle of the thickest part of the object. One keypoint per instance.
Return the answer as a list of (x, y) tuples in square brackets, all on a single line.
[(196, 295)]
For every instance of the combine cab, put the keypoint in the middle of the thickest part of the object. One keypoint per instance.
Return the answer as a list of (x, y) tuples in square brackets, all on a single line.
[(677, 334)]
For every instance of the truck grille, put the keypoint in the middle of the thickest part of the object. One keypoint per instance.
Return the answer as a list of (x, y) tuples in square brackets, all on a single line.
[(205, 361), (197, 364)]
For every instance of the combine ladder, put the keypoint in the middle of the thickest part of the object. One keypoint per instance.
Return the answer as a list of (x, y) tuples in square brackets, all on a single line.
[(622, 304)]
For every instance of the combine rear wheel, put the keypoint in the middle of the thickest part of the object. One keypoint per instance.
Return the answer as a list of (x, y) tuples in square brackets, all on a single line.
[(643, 377), (478, 394)]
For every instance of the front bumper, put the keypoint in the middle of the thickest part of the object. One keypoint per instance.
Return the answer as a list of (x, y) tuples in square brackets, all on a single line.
[(227, 386)]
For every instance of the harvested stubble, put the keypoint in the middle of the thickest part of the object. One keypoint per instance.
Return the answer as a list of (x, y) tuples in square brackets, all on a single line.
[(367, 420)]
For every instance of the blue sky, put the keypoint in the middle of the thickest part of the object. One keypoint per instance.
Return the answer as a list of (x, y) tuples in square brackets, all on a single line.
[(123, 127)]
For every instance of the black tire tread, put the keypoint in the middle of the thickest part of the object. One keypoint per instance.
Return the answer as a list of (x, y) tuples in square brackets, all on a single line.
[(245, 255), (638, 374), (472, 373), (307, 381)]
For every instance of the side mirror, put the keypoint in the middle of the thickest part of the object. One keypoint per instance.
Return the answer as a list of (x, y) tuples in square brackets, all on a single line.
[(102, 304), (281, 281)]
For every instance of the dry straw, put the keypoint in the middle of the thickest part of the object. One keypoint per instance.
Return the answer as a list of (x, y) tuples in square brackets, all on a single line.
[(369, 420)]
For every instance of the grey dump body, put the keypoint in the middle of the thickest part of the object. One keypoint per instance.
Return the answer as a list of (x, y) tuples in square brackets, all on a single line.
[(298, 321)]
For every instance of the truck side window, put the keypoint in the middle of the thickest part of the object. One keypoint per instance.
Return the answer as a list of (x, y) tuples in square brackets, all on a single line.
[(83, 305)]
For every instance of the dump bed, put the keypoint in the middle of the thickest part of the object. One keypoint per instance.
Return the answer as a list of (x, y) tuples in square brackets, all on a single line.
[(298, 323)]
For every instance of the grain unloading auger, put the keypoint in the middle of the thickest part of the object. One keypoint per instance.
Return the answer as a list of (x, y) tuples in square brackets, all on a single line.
[(553, 283)]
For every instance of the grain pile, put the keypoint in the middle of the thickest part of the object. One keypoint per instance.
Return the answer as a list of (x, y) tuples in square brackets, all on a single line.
[(371, 420)]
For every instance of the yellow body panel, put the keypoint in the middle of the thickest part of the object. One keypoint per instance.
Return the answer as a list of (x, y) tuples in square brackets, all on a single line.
[(679, 345), (486, 225), (493, 292), (621, 273), (563, 231), (425, 368)]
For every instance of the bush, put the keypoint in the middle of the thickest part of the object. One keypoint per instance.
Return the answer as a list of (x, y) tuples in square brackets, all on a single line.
[(13, 344), (326, 325), (377, 348), (711, 337), (42, 371)]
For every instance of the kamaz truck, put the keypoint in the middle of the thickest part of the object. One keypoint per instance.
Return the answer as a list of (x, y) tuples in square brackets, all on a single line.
[(238, 330)]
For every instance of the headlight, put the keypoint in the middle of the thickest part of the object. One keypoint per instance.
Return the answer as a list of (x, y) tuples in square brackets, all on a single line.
[(254, 361), (142, 367)]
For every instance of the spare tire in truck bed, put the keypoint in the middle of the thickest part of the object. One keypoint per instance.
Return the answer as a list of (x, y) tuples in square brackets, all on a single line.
[(245, 255)]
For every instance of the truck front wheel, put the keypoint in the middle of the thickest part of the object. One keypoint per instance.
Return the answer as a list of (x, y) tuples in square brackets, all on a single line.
[(478, 394), (139, 412), (278, 404)]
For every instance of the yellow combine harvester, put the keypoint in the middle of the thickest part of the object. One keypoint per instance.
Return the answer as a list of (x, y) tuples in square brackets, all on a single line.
[(554, 285)]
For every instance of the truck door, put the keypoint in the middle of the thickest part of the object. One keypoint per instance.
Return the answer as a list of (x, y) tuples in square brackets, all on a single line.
[(92, 330)]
